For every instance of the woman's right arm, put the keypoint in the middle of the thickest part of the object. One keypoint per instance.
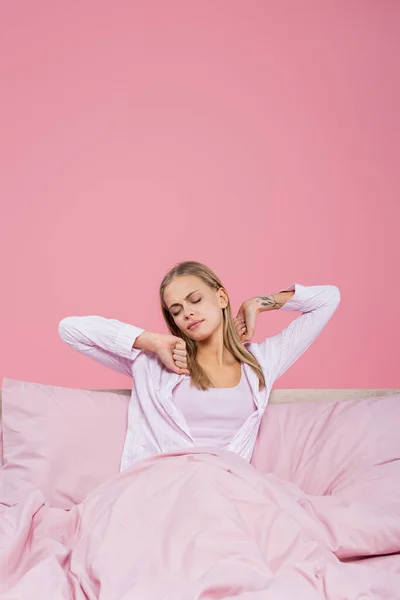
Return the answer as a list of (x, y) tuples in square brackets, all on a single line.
[(146, 341), (108, 341), (116, 344)]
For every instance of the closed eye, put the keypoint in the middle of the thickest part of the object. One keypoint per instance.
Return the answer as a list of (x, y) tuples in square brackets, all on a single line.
[(177, 313)]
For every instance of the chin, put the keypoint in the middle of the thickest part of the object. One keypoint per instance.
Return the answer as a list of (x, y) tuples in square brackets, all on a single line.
[(200, 336), (197, 337)]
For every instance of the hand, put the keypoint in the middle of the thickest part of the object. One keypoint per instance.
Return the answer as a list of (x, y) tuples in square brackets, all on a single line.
[(245, 320), (172, 352)]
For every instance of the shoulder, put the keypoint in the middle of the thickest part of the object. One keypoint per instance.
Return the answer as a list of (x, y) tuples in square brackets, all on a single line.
[(148, 363), (261, 352), (254, 349)]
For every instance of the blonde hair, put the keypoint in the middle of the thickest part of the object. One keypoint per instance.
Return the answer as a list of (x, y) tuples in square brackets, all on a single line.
[(231, 338)]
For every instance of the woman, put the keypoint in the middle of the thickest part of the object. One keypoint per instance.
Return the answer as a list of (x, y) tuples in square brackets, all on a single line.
[(205, 383), (191, 519)]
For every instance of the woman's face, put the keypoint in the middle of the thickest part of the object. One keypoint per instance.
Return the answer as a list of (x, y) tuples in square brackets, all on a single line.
[(189, 299)]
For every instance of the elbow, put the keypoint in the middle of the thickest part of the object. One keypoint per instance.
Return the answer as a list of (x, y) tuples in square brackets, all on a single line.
[(62, 327), (334, 293), (65, 328)]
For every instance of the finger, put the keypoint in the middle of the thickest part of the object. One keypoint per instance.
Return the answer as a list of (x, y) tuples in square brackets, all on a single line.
[(180, 345), (240, 313), (179, 370), (181, 364), (180, 367), (180, 359), (179, 352), (183, 371)]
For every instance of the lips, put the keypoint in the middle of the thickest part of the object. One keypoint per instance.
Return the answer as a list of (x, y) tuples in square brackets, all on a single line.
[(193, 324)]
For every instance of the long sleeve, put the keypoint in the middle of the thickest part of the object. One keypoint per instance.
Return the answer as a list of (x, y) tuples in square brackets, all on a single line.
[(317, 303), (108, 341)]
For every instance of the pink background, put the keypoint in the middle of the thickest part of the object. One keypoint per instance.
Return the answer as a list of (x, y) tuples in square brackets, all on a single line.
[(259, 137)]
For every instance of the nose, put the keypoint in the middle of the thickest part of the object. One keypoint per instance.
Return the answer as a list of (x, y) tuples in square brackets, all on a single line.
[(188, 311)]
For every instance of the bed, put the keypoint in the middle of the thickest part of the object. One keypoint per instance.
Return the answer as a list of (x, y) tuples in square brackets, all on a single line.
[(315, 515)]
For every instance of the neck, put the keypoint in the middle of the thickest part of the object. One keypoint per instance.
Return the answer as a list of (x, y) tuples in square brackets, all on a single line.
[(211, 352)]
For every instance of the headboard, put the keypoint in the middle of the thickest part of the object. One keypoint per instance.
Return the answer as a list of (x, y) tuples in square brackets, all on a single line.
[(279, 396)]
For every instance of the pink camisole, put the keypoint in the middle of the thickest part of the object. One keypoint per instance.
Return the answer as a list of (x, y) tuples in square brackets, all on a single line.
[(214, 415)]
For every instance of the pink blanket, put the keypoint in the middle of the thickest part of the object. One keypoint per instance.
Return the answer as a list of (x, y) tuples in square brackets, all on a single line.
[(203, 525)]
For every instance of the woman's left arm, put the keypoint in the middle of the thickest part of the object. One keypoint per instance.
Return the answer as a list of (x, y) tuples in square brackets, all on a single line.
[(317, 303), (246, 318)]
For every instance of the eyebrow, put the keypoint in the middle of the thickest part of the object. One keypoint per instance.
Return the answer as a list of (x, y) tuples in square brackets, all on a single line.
[(188, 296)]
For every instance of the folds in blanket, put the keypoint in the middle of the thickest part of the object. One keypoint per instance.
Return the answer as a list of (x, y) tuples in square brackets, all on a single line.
[(193, 523)]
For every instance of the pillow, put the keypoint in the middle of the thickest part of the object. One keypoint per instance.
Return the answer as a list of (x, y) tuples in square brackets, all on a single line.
[(324, 446), (346, 457), (1, 445), (64, 441)]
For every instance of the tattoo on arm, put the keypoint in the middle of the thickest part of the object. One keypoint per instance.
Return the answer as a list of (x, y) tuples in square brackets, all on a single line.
[(268, 302)]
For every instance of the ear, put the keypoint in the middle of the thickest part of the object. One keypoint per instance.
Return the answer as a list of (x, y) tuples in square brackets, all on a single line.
[(223, 298)]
